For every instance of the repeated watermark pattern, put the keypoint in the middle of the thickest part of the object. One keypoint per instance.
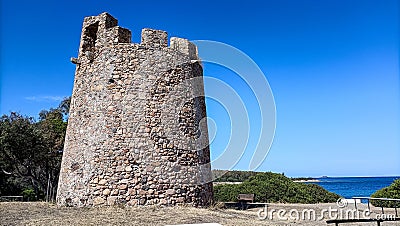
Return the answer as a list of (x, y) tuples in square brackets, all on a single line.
[(330, 213), (239, 112)]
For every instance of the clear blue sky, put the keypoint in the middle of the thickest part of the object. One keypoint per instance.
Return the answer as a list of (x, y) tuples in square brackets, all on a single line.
[(333, 67)]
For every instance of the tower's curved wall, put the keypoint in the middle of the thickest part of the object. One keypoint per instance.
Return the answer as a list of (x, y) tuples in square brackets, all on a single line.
[(137, 132)]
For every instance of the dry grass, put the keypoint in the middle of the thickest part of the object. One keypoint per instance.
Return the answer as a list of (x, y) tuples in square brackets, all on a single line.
[(36, 213)]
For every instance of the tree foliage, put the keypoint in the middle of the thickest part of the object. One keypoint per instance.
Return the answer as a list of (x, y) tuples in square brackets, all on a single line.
[(392, 191), (273, 187), (30, 152)]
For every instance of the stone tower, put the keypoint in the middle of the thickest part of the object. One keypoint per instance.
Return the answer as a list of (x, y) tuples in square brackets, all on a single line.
[(137, 131)]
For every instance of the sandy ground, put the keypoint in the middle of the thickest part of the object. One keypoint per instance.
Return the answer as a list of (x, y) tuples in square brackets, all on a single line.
[(37, 213)]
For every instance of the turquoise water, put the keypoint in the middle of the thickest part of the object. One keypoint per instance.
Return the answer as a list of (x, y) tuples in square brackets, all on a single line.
[(349, 187)]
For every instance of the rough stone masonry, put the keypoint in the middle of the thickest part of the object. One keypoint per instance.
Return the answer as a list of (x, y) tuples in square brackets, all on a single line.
[(137, 131)]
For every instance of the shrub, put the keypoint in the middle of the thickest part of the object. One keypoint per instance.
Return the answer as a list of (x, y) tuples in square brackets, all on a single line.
[(273, 187), (29, 194), (392, 191)]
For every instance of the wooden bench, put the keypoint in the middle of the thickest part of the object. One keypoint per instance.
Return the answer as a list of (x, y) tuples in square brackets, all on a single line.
[(244, 199), (342, 221)]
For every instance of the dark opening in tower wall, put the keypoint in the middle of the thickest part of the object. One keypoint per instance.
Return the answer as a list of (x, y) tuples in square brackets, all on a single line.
[(90, 37)]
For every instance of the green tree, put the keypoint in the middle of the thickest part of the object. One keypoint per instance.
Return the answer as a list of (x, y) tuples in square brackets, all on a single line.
[(53, 128), (21, 151), (65, 105), (30, 151)]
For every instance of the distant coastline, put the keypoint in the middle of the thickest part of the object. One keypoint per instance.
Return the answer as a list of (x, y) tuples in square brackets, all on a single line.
[(306, 180), (349, 187)]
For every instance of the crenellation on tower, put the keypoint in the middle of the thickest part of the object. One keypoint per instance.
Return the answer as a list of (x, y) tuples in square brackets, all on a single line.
[(154, 38), (103, 31), (117, 35), (184, 46)]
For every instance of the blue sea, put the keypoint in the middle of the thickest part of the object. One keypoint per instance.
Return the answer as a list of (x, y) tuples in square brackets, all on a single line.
[(349, 187)]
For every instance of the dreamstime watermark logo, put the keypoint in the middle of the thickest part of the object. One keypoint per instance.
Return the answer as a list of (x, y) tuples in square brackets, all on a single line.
[(310, 214), (342, 202)]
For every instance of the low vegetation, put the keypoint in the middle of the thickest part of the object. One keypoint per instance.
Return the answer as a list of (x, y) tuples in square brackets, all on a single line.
[(273, 187), (392, 191), (231, 176)]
